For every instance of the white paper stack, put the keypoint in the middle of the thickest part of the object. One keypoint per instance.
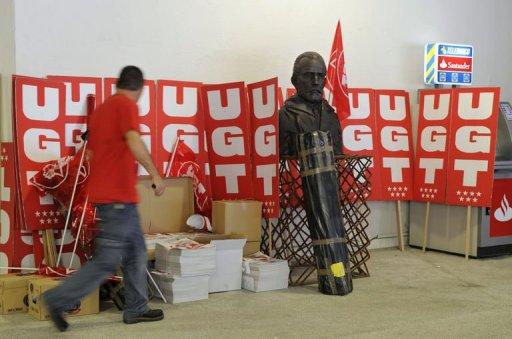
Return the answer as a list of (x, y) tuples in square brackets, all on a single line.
[(184, 257), (183, 268), (151, 239), (178, 289), (263, 273)]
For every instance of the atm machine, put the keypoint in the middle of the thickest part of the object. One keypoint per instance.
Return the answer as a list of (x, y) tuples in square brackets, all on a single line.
[(491, 228)]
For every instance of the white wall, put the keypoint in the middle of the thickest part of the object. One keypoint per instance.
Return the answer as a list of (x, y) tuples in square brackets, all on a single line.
[(6, 66), (231, 40)]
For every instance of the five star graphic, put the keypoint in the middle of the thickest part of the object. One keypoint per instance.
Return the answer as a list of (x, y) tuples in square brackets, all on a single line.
[(469, 196), (394, 191)]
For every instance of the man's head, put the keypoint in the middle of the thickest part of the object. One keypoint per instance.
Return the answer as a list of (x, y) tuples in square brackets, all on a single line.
[(309, 76), (131, 80)]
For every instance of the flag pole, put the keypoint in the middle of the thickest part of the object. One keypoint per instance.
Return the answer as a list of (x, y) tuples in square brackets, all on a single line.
[(171, 161), (468, 232), (427, 215), (399, 226)]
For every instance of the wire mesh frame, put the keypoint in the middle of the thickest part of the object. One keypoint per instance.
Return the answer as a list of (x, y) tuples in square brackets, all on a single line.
[(290, 233)]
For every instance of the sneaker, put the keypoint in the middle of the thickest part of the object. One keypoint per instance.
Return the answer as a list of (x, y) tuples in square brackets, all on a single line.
[(151, 315), (58, 320), (56, 317)]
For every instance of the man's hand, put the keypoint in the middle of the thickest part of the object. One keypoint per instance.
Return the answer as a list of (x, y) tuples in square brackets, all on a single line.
[(158, 185), (140, 152)]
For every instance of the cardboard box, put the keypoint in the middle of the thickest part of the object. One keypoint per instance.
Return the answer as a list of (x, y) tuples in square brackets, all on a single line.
[(251, 247), (88, 305), (242, 217), (13, 293), (167, 213)]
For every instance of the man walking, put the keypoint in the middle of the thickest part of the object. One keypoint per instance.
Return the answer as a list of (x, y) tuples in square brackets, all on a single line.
[(115, 146)]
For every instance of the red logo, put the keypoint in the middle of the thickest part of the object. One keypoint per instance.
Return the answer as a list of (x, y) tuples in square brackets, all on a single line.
[(445, 63)]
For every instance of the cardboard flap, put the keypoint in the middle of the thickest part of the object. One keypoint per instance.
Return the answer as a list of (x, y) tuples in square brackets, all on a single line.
[(167, 213)]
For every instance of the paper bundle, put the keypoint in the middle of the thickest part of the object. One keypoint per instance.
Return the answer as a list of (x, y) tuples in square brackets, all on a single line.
[(263, 273), (178, 289), (184, 257), (151, 239)]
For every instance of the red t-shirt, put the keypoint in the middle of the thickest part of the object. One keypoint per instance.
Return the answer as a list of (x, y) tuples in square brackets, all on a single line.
[(113, 167)]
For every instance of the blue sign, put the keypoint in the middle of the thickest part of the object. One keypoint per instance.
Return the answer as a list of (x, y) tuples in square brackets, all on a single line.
[(455, 50), (448, 64)]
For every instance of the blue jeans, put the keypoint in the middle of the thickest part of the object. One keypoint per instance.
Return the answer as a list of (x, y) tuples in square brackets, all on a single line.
[(120, 243)]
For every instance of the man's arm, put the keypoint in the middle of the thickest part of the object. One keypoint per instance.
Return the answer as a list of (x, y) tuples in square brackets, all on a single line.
[(141, 154)]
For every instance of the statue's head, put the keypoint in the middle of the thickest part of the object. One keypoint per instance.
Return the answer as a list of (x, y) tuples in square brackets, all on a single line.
[(309, 76)]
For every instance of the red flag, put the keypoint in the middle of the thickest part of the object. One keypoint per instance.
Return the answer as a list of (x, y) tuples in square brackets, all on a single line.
[(183, 163), (336, 81)]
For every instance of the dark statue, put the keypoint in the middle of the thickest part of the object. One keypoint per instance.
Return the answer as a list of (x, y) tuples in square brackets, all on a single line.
[(307, 111)]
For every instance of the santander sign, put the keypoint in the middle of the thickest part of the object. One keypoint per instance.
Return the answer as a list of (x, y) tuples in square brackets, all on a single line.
[(455, 64)]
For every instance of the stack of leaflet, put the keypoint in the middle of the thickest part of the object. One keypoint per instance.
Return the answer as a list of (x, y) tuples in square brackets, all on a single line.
[(183, 267), (263, 273), (178, 289), (151, 239)]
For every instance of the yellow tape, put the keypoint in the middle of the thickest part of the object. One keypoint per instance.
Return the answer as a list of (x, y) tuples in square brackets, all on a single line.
[(338, 269)]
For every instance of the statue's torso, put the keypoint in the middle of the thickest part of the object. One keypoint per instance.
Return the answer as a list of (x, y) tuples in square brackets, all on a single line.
[(299, 116)]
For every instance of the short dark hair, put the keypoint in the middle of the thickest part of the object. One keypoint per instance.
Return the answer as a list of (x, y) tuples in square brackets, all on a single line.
[(130, 78)]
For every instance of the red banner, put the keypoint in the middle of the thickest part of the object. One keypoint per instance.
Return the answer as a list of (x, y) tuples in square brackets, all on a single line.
[(394, 143), (359, 131), (227, 125), (432, 145), (40, 137), (147, 115), (265, 155), (501, 212), (7, 214), (179, 113), (472, 146), (15, 245), (77, 90), (336, 79)]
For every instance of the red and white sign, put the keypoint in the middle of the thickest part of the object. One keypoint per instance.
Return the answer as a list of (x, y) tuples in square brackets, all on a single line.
[(227, 125), (147, 114), (457, 64), (16, 246), (7, 213), (265, 130), (280, 95), (77, 90), (40, 137), (394, 142), (432, 145), (472, 146), (179, 114), (359, 131), (501, 212)]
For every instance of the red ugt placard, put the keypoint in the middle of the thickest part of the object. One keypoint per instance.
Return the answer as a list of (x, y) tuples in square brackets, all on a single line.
[(264, 126), (472, 146), (228, 136), (7, 214), (432, 146), (147, 115), (359, 131), (77, 90), (395, 143), (179, 113), (39, 109)]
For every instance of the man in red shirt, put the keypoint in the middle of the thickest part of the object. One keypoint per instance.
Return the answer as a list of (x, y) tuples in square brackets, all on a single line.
[(115, 146)]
